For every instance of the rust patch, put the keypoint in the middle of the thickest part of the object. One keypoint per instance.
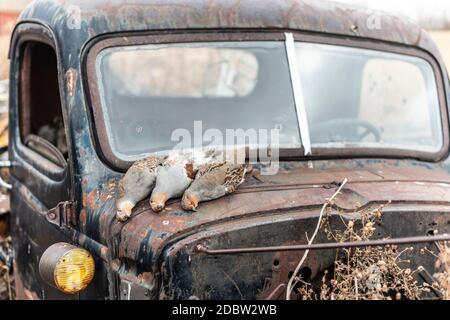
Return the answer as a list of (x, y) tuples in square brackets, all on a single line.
[(83, 217), (4, 227), (145, 278), (90, 199), (157, 243), (71, 78), (170, 224), (283, 266)]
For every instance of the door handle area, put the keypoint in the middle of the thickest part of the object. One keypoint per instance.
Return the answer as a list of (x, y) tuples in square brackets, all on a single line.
[(3, 183)]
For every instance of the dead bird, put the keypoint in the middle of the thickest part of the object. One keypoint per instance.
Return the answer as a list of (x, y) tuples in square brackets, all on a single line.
[(137, 184), (213, 181), (177, 173), (174, 176)]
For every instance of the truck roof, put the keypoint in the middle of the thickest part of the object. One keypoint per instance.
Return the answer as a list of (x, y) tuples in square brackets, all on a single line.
[(100, 17)]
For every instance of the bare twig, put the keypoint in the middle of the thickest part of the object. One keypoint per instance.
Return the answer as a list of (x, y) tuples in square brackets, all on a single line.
[(234, 283), (305, 255)]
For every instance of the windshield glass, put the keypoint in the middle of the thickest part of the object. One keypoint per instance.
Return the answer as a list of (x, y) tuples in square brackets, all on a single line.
[(353, 97), (371, 98), (150, 91)]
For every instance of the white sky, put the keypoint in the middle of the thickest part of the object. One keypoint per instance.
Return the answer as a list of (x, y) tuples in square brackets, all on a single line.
[(429, 13)]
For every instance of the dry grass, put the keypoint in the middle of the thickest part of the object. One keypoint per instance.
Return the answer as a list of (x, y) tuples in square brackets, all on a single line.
[(372, 273), (6, 278), (443, 265), (366, 273)]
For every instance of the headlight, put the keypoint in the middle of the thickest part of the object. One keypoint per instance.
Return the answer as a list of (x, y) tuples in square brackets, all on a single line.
[(66, 267)]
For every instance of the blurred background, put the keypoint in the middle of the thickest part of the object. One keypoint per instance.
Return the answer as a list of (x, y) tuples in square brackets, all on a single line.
[(9, 10)]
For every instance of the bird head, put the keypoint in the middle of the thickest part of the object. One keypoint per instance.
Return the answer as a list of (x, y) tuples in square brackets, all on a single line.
[(158, 201), (189, 201), (125, 206)]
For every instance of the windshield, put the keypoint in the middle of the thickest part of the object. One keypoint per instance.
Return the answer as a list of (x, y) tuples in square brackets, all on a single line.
[(352, 97), (151, 91), (371, 98)]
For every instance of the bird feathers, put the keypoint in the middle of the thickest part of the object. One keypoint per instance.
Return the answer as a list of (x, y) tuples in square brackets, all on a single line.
[(213, 181), (136, 184), (197, 175)]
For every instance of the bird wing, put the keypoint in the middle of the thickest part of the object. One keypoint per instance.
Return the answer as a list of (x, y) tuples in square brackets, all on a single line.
[(146, 164), (234, 177), (208, 168)]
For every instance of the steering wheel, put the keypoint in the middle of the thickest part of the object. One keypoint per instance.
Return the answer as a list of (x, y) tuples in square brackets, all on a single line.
[(336, 126)]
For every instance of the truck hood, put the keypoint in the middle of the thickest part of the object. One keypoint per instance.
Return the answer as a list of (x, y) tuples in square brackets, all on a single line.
[(296, 187)]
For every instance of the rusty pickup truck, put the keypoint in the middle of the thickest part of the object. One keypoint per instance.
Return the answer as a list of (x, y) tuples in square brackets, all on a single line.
[(96, 85)]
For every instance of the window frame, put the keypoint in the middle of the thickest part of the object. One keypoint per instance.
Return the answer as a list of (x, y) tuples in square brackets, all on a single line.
[(141, 38), (45, 166)]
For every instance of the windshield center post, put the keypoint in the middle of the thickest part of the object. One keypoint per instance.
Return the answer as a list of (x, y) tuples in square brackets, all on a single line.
[(298, 93)]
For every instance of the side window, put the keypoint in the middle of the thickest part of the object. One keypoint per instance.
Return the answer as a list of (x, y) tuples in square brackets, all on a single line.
[(40, 113)]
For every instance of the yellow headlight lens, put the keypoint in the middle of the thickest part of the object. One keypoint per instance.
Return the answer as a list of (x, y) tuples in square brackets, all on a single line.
[(74, 271)]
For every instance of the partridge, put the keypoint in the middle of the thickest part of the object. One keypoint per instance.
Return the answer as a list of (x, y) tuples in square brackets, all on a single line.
[(174, 176), (137, 184), (213, 181), (177, 173)]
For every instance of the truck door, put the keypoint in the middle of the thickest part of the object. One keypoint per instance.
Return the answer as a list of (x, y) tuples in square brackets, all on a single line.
[(39, 155)]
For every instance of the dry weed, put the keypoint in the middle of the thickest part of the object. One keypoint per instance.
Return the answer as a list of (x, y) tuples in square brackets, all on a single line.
[(443, 265), (6, 279), (365, 273)]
